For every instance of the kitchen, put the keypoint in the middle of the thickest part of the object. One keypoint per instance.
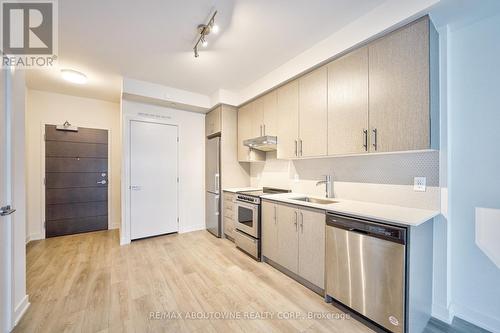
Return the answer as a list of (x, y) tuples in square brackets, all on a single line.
[(329, 242), (325, 189)]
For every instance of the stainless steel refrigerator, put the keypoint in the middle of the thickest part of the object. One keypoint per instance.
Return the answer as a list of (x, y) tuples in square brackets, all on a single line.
[(212, 181)]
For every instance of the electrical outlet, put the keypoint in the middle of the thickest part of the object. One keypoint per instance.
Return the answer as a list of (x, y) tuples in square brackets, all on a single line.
[(419, 184)]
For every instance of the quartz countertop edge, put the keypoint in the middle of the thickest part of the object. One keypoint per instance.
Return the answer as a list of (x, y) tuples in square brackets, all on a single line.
[(241, 189), (391, 214)]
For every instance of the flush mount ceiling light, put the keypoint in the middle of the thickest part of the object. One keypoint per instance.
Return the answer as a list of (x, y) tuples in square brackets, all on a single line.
[(203, 31), (74, 76)]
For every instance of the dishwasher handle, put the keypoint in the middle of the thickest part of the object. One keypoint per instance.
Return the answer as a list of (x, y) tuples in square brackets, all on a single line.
[(367, 228)]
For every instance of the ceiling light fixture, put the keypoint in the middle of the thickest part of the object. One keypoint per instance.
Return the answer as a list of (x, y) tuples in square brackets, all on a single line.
[(74, 76), (203, 31)]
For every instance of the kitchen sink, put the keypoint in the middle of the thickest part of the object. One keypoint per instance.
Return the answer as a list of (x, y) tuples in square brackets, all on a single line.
[(316, 200)]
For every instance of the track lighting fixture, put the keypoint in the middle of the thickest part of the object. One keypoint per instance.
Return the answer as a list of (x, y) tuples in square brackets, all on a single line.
[(203, 31)]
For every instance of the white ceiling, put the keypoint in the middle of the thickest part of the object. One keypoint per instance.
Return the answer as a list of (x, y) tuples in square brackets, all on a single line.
[(152, 41)]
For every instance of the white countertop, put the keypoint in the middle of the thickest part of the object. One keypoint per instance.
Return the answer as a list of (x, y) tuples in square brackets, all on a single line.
[(368, 210), (241, 189)]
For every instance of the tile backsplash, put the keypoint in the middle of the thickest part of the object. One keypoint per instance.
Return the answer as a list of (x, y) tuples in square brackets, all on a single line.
[(386, 178)]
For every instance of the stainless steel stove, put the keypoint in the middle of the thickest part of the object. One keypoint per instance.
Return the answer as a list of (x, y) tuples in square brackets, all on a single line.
[(248, 220)]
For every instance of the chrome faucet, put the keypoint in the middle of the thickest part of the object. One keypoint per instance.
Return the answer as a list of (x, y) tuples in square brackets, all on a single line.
[(328, 185)]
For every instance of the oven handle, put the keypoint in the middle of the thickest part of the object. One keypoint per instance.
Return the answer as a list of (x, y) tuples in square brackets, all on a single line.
[(246, 205)]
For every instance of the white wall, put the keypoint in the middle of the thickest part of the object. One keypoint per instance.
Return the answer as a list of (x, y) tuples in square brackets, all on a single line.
[(474, 164), (191, 127), (51, 108)]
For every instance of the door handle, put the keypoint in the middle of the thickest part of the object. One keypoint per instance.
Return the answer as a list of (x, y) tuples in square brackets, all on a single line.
[(365, 139), (6, 210), (135, 188), (301, 222), (102, 182)]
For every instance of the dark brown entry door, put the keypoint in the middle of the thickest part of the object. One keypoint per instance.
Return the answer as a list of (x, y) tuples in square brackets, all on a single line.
[(76, 181)]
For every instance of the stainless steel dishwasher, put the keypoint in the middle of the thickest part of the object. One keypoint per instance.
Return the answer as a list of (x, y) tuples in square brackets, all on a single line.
[(365, 268)]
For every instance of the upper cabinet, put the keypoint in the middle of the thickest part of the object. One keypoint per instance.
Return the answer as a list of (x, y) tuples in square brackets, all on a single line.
[(400, 85), (270, 113), (213, 121), (246, 130), (348, 103), (313, 114), (287, 98), (381, 97)]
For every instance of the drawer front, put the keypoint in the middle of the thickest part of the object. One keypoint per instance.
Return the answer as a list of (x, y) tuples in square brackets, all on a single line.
[(229, 196), (228, 205), (229, 227), (229, 214), (247, 244)]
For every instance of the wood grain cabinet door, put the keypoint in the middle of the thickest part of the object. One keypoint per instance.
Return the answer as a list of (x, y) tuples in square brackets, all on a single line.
[(245, 131), (348, 103), (76, 181), (312, 247), (399, 89), (287, 99), (270, 231), (213, 122), (288, 242), (313, 113), (257, 118), (270, 113)]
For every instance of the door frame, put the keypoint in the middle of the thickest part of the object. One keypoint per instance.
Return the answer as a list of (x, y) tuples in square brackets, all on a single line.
[(125, 229), (6, 234), (111, 225)]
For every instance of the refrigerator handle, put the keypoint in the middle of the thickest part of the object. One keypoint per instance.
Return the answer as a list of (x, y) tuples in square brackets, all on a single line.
[(216, 182), (216, 205)]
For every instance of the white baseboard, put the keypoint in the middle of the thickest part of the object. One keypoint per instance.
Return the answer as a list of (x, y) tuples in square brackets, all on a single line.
[(33, 237), (21, 309), (191, 228), (477, 318), (442, 313), (114, 226)]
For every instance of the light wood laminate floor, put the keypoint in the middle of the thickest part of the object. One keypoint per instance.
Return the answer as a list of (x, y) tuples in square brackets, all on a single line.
[(89, 283)]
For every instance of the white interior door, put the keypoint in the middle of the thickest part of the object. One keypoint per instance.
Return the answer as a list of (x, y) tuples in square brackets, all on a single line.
[(5, 221), (153, 179)]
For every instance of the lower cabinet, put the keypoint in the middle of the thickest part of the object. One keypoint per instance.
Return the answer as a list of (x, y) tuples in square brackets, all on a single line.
[(294, 238), (228, 216)]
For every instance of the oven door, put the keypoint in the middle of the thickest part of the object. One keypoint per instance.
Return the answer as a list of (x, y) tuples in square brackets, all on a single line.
[(247, 218)]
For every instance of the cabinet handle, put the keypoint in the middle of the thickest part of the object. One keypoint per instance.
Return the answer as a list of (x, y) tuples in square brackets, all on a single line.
[(300, 149), (296, 151), (375, 138), (302, 222), (365, 139), (296, 221), (275, 216), (264, 129), (260, 130)]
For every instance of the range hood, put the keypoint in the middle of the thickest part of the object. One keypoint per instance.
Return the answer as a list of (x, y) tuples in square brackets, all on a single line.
[(263, 143)]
